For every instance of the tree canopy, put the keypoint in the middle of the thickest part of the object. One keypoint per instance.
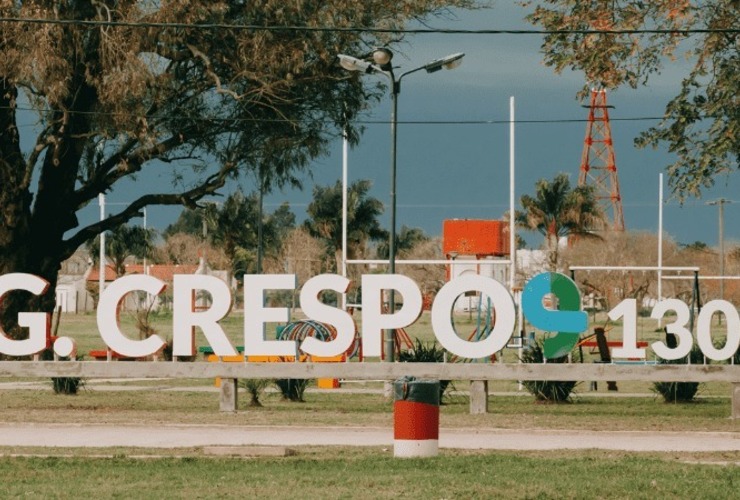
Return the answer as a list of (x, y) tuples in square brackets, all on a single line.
[(123, 242), (233, 227), (325, 218), (407, 240), (143, 90), (701, 125), (557, 210)]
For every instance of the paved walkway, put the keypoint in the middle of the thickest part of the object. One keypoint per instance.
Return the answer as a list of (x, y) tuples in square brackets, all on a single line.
[(176, 436)]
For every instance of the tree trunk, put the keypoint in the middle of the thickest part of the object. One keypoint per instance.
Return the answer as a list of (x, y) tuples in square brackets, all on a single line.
[(338, 260), (552, 253), (32, 237)]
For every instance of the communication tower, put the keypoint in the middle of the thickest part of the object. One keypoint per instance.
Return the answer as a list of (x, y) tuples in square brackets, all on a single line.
[(598, 166)]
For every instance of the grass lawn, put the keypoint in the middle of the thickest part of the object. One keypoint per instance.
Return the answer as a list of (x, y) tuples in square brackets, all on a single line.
[(373, 473), (163, 405), (343, 472)]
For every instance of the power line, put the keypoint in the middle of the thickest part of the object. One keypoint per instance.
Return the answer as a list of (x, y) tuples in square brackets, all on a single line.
[(360, 29), (361, 122)]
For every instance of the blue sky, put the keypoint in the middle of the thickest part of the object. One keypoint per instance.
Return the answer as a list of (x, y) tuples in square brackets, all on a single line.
[(461, 171)]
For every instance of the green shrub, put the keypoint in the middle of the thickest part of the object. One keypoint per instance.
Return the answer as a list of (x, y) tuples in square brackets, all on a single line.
[(550, 391), (426, 353), (63, 385), (167, 353), (680, 392), (254, 388), (67, 385), (292, 389)]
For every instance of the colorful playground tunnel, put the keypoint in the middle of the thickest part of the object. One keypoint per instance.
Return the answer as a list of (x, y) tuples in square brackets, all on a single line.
[(299, 330)]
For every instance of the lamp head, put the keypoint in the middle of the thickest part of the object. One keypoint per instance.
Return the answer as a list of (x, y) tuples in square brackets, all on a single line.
[(382, 56), (354, 64), (448, 62)]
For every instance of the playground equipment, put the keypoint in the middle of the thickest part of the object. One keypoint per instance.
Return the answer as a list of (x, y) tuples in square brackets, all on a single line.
[(695, 304), (474, 246), (299, 330), (296, 331)]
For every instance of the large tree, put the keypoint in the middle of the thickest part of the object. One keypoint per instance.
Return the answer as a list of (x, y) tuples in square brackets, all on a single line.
[(701, 124), (202, 91), (559, 211)]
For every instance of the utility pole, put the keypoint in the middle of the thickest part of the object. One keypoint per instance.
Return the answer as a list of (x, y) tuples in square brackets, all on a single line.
[(721, 205)]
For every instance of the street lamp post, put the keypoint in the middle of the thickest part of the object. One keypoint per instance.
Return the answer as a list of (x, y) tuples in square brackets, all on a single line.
[(379, 61)]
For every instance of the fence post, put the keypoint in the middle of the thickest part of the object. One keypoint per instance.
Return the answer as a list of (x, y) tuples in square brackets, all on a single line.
[(736, 400), (478, 397), (229, 395)]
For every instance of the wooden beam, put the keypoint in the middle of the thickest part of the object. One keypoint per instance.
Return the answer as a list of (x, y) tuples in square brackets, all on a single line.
[(372, 371)]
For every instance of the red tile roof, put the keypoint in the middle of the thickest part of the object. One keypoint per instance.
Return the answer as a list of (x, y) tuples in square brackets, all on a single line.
[(165, 272), (110, 274)]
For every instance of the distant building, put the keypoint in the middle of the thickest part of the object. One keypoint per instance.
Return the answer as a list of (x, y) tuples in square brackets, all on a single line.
[(164, 272), (71, 291)]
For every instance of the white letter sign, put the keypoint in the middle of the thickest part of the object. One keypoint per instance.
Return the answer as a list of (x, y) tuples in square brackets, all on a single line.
[(256, 314), (501, 301), (110, 330), (373, 319), (314, 309), (35, 322)]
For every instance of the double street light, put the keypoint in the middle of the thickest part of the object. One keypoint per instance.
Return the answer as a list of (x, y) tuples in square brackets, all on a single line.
[(379, 62)]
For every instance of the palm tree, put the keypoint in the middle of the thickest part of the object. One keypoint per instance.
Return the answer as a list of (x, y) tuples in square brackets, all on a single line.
[(325, 218), (407, 239), (123, 242), (233, 228), (557, 211)]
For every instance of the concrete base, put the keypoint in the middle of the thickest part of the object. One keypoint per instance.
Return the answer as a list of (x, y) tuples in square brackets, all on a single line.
[(736, 401), (478, 397), (248, 451), (414, 448), (229, 395)]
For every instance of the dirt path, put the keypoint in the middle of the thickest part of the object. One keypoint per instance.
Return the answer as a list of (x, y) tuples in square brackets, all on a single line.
[(176, 436)]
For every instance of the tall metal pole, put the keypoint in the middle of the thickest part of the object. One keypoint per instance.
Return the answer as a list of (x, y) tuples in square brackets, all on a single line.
[(101, 265), (260, 243), (721, 249), (146, 271), (390, 334), (345, 161), (512, 230), (660, 241), (381, 63), (512, 195)]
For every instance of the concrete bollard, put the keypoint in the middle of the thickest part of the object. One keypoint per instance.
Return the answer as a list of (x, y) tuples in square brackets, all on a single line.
[(478, 397), (415, 418), (229, 395)]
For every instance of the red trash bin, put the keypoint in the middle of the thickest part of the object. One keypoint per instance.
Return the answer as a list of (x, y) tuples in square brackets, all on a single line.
[(415, 418)]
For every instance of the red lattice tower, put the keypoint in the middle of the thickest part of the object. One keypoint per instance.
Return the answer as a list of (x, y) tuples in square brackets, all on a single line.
[(598, 166)]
